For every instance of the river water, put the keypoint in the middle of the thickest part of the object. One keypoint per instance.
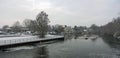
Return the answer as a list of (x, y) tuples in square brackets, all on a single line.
[(71, 47)]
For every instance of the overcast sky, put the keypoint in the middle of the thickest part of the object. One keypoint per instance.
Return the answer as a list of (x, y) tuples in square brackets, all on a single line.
[(65, 12)]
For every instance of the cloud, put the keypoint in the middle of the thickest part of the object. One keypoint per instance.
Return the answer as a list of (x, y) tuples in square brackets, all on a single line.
[(65, 12)]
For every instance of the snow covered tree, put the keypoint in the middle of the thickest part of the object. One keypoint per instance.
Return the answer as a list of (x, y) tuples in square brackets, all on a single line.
[(42, 24)]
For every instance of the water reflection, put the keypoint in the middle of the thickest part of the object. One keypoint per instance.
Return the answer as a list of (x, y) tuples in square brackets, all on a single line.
[(74, 46), (41, 52), (114, 44), (71, 36), (94, 39), (86, 38), (76, 36), (68, 36)]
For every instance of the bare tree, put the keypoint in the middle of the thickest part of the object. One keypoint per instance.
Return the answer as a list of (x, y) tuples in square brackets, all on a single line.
[(6, 28), (27, 22), (94, 29), (58, 29), (16, 27), (112, 28)]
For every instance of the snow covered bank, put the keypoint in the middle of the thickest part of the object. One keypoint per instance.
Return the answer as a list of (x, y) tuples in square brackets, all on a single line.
[(25, 39)]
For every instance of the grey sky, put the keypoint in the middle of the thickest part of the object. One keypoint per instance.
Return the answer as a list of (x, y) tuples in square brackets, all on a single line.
[(65, 12)]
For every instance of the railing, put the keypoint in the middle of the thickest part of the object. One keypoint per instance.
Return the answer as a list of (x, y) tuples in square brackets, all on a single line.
[(24, 40)]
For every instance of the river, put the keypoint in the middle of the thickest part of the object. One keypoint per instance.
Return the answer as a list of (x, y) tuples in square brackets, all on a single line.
[(71, 47)]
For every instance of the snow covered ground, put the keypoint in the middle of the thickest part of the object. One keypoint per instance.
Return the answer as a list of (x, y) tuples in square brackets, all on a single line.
[(24, 39), (13, 35)]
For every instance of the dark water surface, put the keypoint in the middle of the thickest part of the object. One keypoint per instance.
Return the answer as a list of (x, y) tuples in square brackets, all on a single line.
[(71, 47)]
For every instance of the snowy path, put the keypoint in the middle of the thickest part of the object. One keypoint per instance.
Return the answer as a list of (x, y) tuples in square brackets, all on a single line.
[(18, 40)]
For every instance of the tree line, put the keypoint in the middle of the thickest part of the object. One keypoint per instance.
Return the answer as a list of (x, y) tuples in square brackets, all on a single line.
[(40, 26), (112, 28)]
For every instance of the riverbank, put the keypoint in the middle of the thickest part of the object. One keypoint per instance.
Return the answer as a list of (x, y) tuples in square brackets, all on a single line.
[(14, 41)]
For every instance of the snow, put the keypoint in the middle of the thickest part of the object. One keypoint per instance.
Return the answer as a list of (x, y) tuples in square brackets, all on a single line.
[(23, 39)]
